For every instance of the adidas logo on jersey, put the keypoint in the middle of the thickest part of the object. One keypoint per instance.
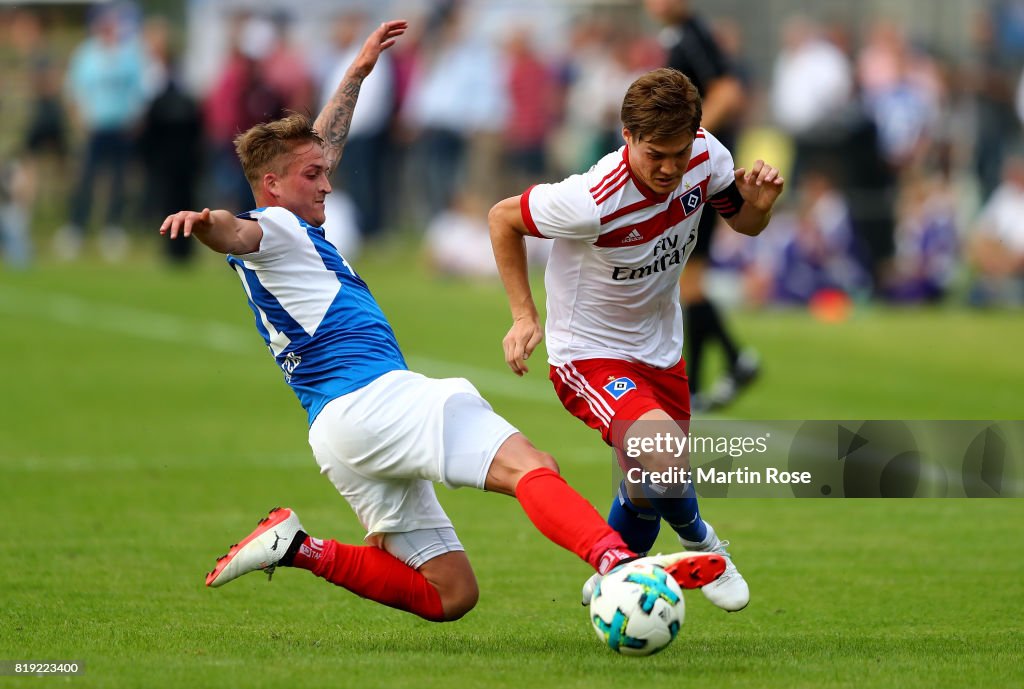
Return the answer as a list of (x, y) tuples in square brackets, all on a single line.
[(633, 236)]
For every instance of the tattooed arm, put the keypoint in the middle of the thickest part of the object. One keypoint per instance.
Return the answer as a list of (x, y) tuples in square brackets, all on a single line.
[(333, 123)]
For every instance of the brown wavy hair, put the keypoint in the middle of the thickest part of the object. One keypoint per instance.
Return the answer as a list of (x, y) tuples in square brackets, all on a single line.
[(661, 105)]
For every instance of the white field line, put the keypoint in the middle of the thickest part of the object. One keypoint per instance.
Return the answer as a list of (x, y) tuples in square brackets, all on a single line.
[(147, 324)]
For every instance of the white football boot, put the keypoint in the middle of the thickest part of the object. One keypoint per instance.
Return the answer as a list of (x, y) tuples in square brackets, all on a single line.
[(690, 570), (729, 591), (262, 549)]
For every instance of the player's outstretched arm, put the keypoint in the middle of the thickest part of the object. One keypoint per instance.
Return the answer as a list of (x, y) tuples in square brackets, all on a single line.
[(219, 230), (507, 240), (334, 121), (760, 188)]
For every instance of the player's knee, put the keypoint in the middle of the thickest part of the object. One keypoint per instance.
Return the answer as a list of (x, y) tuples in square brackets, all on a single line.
[(452, 577), (542, 460), (459, 599), (532, 461), (516, 458)]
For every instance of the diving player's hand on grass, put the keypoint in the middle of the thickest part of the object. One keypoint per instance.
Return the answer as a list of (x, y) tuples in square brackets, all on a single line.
[(183, 223), (522, 338)]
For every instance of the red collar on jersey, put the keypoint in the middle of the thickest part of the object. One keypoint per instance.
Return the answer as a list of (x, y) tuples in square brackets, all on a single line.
[(648, 193)]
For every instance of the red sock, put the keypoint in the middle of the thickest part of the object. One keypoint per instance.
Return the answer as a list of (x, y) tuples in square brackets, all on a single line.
[(565, 516), (372, 573)]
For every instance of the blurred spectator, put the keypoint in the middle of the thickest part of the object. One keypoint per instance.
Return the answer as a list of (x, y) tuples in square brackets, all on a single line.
[(533, 104), (105, 82), (869, 186), (927, 242), (171, 139), (47, 127), (458, 241), (741, 268), (991, 87), (240, 98), (488, 117), (810, 114), (282, 66), (16, 194), (361, 171), (901, 93), (453, 100), (821, 253), (833, 134), (1008, 22), (342, 224), (42, 153), (996, 244), (157, 36), (693, 50), (401, 159), (728, 33), (406, 56), (598, 74)]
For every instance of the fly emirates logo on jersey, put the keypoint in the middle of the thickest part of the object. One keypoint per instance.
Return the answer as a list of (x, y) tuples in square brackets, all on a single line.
[(668, 250)]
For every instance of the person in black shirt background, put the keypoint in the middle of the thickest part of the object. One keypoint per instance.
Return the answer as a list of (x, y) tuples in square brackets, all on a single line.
[(692, 49)]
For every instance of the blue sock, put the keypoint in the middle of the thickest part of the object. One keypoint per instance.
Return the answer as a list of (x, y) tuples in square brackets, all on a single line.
[(638, 526), (678, 510)]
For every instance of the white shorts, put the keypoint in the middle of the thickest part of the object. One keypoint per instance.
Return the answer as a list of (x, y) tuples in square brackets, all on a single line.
[(385, 445)]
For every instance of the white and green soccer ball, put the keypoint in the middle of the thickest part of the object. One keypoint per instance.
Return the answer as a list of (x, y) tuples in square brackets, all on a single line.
[(637, 609)]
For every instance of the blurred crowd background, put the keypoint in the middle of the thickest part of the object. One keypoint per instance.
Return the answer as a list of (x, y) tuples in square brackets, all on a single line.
[(898, 126)]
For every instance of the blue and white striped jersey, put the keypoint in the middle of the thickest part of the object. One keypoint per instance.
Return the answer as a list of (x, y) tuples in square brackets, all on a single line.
[(317, 316)]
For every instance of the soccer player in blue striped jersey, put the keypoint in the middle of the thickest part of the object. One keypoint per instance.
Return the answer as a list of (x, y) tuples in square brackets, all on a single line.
[(382, 434)]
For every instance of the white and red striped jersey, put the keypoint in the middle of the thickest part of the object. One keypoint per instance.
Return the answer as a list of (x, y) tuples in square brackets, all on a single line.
[(613, 276)]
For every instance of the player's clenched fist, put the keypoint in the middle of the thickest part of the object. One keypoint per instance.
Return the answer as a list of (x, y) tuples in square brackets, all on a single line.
[(183, 223)]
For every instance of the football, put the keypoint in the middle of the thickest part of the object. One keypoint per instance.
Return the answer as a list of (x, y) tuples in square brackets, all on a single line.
[(637, 609)]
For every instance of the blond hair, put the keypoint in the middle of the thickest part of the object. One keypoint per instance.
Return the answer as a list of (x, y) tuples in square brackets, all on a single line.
[(661, 105), (261, 149)]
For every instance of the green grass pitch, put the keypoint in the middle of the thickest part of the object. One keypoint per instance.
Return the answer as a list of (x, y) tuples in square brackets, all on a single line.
[(144, 428)]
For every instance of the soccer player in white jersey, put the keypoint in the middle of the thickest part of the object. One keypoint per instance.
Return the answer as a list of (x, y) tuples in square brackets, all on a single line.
[(381, 433), (622, 232)]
